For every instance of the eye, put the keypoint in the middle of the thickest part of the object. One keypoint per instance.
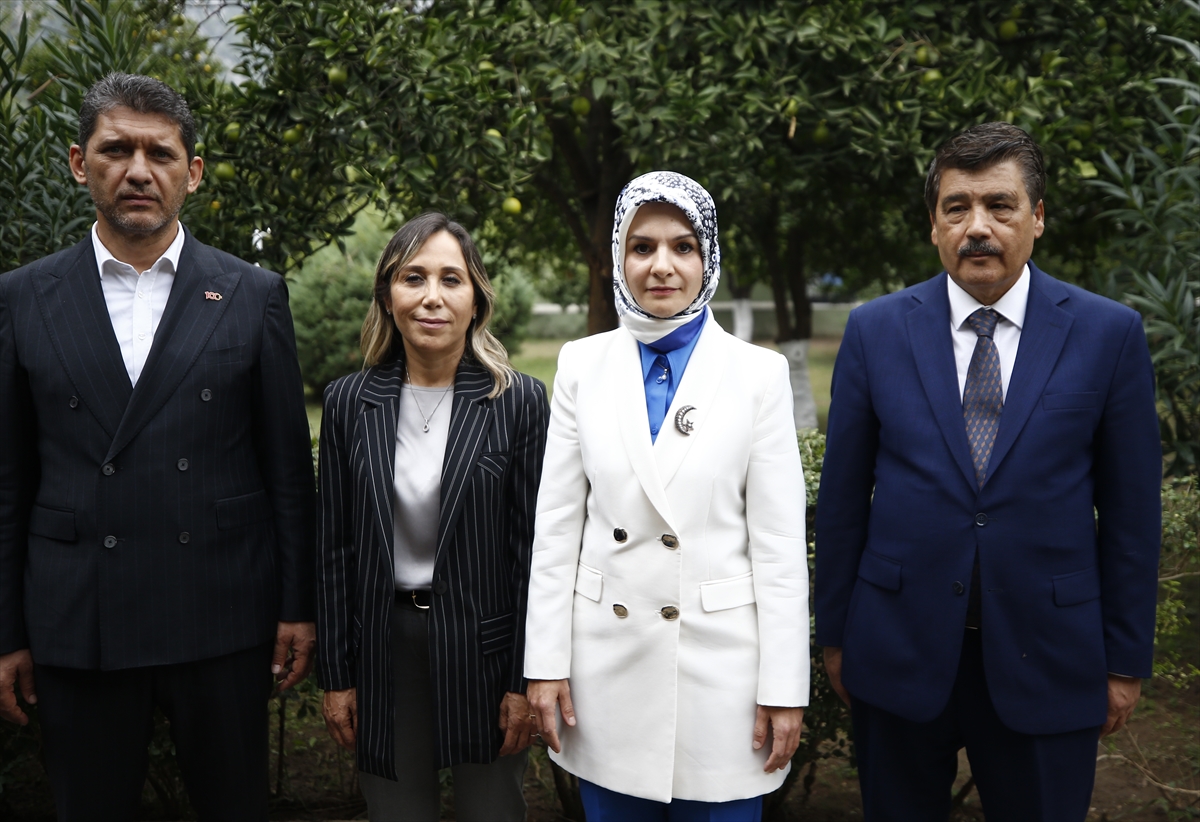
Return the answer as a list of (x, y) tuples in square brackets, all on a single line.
[(413, 278), (451, 279), (685, 248), (641, 248)]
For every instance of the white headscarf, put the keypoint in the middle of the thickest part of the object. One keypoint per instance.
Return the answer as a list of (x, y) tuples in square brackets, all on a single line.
[(691, 198)]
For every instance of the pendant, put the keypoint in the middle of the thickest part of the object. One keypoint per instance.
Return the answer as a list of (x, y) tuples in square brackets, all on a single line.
[(425, 428)]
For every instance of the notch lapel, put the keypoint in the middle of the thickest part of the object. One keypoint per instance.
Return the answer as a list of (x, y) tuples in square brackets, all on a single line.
[(698, 388), (933, 352), (376, 431), (187, 323), (72, 303), (469, 422)]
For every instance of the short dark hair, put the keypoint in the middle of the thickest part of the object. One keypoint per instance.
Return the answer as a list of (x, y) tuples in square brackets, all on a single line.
[(145, 95), (984, 146)]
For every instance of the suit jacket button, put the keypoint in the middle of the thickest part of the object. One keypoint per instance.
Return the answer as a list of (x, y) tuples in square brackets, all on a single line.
[(440, 586), (670, 541), (109, 469), (73, 402), (110, 542), (619, 534), (958, 587), (670, 612), (981, 520), (185, 538), (182, 465), (621, 611), (205, 395)]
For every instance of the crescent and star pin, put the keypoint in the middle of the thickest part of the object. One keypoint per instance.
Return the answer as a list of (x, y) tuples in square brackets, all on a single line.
[(682, 423)]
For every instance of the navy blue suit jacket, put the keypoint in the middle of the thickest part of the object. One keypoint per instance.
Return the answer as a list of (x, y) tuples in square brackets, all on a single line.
[(1067, 526), (163, 523)]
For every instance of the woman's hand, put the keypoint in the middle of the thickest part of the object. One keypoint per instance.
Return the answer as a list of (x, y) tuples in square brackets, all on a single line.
[(340, 709), (516, 720), (544, 695), (786, 724)]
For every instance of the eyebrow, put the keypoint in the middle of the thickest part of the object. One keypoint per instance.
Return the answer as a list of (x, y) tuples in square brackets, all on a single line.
[(685, 236), (423, 269), (990, 196)]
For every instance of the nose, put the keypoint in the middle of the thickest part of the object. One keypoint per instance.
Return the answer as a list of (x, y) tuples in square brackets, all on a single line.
[(661, 264), (138, 170), (979, 223), (433, 292)]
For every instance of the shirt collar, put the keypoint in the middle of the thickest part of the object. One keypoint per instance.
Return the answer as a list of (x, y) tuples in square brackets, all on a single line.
[(1011, 306), (170, 256), (677, 358)]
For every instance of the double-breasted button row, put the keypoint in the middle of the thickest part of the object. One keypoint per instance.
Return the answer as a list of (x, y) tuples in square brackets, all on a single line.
[(668, 540), (958, 587), (183, 465), (73, 402), (108, 469), (110, 541), (667, 612), (205, 395)]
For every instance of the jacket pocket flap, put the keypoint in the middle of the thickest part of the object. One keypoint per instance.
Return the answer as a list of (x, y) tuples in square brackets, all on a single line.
[(720, 594), (236, 512), (53, 523), (496, 632), (589, 582), (879, 570), (1081, 586), (1078, 399)]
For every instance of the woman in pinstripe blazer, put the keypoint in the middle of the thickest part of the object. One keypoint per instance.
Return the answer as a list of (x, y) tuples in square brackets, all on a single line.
[(429, 466)]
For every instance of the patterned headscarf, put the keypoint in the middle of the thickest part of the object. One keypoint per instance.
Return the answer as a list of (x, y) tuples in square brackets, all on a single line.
[(691, 198)]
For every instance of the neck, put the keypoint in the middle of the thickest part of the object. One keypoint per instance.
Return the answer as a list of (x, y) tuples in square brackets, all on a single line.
[(140, 250), (431, 370)]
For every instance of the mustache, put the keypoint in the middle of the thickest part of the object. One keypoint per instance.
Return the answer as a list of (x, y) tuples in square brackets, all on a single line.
[(139, 191), (975, 248)]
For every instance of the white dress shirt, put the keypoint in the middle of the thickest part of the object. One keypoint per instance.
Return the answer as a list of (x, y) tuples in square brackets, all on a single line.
[(136, 300), (1007, 336)]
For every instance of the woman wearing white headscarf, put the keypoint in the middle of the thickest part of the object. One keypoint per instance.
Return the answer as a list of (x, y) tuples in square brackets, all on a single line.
[(668, 602)]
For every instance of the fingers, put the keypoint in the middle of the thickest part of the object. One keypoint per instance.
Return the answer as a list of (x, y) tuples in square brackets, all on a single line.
[(544, 697), (761, 720), (283, 641), (16, 673), (783, 744), (301, 639), (340, 709)]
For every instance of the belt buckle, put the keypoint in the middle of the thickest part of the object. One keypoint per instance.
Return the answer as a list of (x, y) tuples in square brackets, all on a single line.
[(417, 604)]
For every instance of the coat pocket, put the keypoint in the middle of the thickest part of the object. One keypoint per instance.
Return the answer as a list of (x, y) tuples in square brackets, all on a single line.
[(589, 582), (496, 632), (732, 592), (1066, 402), (1076, 588), (879, 570), (53, 523), (238, 512), (494, 463)]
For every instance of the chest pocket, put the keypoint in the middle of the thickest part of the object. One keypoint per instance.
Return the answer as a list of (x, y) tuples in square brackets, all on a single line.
[(1078, 400), (493, 463)]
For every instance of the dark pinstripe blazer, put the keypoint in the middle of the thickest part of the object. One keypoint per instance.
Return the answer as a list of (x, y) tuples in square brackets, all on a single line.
[(490, 479), (164, 523)]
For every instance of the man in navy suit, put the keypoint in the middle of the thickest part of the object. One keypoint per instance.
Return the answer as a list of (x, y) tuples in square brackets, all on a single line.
[(156, 486), (989, 517)]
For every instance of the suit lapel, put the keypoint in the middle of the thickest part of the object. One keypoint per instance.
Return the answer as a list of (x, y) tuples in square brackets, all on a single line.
[(698, 388), (1042, 337), (628, 390), (933, 351), (76, 317), (377, 433), (187, 323), (469, 422)]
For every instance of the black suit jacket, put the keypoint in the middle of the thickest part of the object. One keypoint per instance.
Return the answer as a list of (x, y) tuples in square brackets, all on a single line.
[(164, 523), (490, 476)]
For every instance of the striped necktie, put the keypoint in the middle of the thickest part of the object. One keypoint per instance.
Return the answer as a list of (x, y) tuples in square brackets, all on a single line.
[(983, 395)]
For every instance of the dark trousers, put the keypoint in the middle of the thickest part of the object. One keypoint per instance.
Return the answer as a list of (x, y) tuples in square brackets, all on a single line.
[(96, 726), (906, 769), (603, 805)]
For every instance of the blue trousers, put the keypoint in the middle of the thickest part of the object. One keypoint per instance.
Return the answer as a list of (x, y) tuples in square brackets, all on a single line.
[(603, 805)]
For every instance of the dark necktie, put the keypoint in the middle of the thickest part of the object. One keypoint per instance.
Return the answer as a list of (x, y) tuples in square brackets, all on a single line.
[(983, 395)]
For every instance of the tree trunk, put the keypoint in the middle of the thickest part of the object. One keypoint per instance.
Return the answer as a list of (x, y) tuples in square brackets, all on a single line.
[(804, 407), (602, 310), (743, 319), (793, 336)]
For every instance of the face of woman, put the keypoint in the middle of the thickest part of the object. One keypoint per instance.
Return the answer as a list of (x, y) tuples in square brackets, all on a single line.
[(432, 298), (662, 260)]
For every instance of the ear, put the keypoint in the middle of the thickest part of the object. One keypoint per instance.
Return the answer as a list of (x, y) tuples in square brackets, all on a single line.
[(1039, 219), (933, 229), (78, 169), (195, 174)]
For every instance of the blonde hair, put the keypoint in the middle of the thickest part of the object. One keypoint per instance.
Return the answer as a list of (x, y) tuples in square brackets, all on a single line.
[(381, 342)]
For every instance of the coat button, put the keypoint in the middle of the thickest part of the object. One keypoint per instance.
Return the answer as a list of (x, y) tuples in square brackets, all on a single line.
[(182, 465), (109, 469), (73, 402), (185, 538), (440, 586), (981, 520), (621, 611), (619, 534), (205, 395), (670, 541), (958, 587), (110, 542), (670, 612)]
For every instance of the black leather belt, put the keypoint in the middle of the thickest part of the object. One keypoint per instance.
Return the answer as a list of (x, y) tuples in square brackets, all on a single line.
[(414, 599)]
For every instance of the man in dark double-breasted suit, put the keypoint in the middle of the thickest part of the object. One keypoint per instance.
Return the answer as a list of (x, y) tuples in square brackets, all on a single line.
[(989, 517), (156, 486)]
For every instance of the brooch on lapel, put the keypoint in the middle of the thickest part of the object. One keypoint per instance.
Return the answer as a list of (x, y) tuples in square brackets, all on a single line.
[(212, 295), (682, 423)]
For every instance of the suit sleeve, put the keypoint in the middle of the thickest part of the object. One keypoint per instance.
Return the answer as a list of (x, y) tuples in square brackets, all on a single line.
[(528, 452), (284, 449), (775, 525), (847, 481), (337, 571), (558, 534), (1128, 499)]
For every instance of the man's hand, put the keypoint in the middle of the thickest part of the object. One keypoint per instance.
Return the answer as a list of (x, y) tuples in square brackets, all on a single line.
[(300, 638), (833, 669), (1123, 694), (340, 709), (786, 725), (16, 669), (544, 695), (517, 722)]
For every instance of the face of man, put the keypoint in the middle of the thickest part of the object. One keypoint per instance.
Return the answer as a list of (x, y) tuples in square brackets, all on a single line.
[(137, 170), (984, 228)]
